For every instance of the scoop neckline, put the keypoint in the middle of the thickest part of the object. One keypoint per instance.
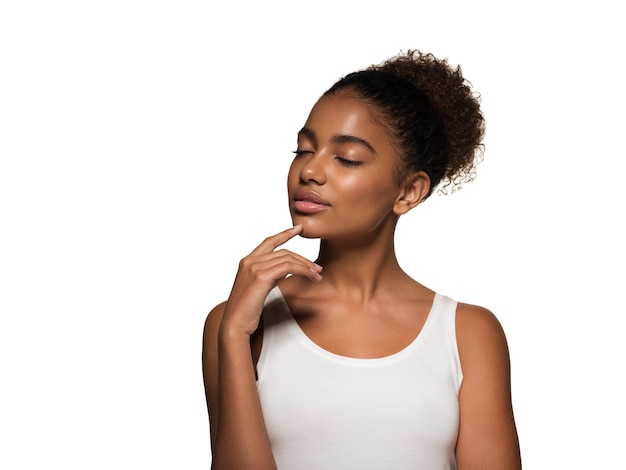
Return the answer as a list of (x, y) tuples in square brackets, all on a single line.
[(311, 345)]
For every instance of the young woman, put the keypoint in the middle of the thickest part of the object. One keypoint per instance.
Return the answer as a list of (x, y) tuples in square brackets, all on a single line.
[(347, 362)]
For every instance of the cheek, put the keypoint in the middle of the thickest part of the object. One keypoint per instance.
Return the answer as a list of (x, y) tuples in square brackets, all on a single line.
[(373, 190)]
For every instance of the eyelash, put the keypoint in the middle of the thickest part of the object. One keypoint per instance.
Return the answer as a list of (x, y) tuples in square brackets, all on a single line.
[(343, 161), (352, 163)]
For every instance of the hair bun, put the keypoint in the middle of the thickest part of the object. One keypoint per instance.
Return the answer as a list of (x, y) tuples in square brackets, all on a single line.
[(457, 105)]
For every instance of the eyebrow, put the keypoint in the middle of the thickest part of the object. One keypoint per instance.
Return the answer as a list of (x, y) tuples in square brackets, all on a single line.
[(338, 139)]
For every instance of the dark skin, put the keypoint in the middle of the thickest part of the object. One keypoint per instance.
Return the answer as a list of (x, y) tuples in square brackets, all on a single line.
[(377, 309)]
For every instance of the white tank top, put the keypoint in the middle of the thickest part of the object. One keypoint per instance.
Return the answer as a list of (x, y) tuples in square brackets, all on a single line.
[(324, 411)]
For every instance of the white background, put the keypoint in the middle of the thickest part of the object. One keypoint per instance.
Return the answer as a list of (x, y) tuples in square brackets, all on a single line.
[(144, 148)]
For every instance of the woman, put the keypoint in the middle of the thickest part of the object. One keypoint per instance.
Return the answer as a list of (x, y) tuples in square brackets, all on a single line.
[(347, 362)]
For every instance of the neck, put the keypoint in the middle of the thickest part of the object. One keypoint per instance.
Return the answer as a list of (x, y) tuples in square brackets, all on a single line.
[(360, 268)]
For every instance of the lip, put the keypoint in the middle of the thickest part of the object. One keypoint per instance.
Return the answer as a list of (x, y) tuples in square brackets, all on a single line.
[(309, 196), (309, 202)]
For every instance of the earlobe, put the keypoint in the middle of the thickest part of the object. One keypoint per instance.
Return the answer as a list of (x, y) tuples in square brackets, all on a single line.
[(414, 189)]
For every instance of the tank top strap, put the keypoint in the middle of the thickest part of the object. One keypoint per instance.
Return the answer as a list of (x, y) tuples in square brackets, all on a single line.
[(275, 326), (444, 332)]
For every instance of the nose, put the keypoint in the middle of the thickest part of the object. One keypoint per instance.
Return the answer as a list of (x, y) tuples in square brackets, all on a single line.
[(312, 170)]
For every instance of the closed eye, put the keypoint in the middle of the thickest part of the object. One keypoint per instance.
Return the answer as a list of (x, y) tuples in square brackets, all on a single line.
[(346, 162), (299, 152)]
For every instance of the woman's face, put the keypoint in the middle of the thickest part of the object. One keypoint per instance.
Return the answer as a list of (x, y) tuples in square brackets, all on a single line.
[(342, 182)]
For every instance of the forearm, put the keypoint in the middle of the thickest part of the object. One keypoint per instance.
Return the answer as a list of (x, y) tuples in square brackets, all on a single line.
[(241, 441)]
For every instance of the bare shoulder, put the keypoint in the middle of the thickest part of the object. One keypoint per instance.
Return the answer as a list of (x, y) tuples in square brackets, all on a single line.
[(214, 319), (487, 433), (476, 317), (209, 342), (479, 332), (483, 350)]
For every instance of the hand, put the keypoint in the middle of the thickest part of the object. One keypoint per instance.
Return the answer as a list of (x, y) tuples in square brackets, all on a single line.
[(258, 274)]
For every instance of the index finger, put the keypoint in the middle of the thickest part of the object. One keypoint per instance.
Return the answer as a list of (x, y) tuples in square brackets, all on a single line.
[(273, 242)]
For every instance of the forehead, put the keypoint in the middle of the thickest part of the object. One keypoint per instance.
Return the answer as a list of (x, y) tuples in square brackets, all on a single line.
[(346, 114)]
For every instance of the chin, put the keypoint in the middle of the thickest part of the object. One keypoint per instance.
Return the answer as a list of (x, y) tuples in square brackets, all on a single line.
[(307, 234), (309, 230)]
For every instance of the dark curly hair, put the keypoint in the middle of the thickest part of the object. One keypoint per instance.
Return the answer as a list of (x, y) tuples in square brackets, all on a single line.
[(431, 112)]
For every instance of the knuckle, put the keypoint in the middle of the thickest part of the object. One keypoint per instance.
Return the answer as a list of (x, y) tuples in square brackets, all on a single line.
[(254, 268), (264, 276)]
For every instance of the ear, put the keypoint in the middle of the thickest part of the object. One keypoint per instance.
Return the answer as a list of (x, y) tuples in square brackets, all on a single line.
[(413, 190)]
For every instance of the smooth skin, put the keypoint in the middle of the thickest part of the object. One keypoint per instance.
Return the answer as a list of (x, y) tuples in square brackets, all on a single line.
[(239, 438), (362, 304)]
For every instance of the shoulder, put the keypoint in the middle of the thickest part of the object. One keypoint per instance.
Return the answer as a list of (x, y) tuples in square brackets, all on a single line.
[(487, 435), (484, 356), (210, 336), (478, 330), (475, 316), (214, 319), (482, 346)]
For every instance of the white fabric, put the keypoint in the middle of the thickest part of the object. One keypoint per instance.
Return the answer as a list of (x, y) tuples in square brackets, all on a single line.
[(324, 411)]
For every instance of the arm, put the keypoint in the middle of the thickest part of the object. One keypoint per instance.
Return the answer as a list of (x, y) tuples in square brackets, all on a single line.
[(487, 434), (239, 439), (238, 435)]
